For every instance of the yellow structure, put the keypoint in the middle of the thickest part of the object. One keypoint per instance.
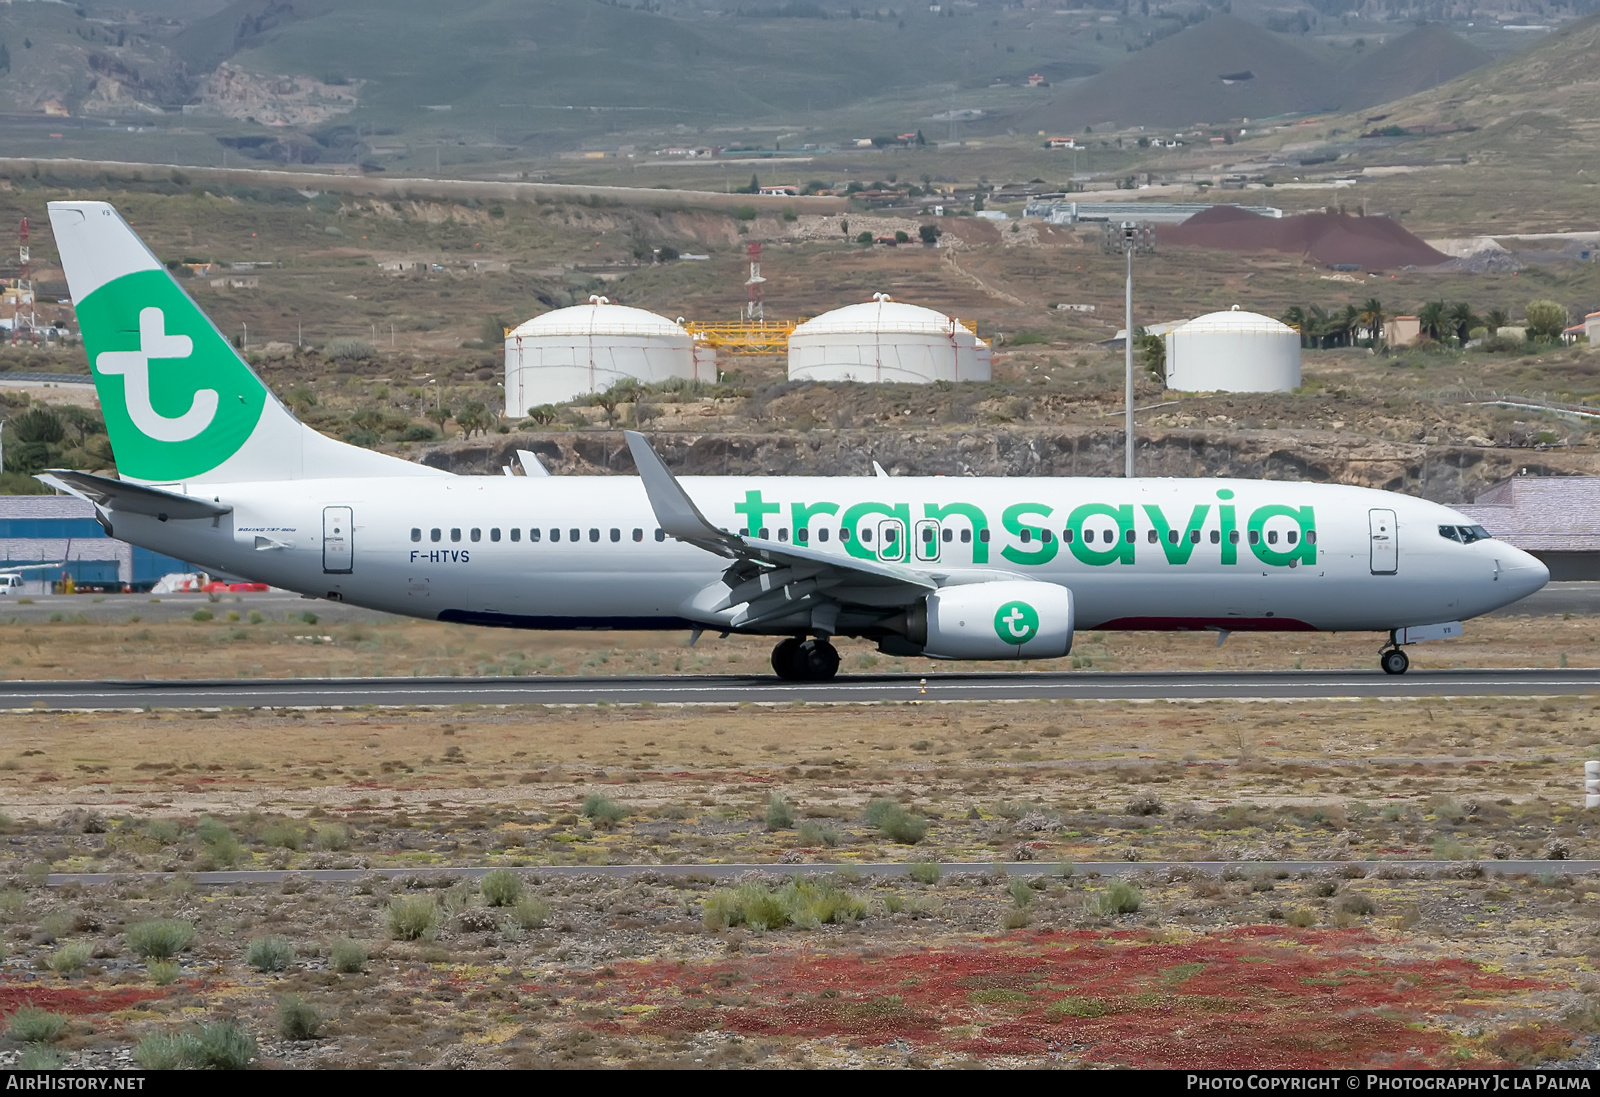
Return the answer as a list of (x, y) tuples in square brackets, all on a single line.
[(745, 336)]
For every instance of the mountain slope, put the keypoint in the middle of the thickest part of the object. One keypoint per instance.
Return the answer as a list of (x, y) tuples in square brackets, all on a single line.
[(1180, 81), (1416, 61)]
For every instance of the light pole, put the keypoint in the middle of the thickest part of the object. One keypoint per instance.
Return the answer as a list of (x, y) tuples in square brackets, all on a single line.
[(1127, 238)]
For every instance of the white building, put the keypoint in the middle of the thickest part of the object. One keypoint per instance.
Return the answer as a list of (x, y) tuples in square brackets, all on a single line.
[(885, 340), (1233, 351), (588, 348)]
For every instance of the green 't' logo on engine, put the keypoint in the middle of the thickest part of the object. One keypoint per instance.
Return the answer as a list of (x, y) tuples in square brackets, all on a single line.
[(177, 401), (1016, 623)]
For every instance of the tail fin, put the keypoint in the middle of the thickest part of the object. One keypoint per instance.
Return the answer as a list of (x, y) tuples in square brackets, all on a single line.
[(179, 402)]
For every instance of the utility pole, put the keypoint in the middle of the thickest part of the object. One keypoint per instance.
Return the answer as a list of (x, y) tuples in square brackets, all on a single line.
[(1127, 238)]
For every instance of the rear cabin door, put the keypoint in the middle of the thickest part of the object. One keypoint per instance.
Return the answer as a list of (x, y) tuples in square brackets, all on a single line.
[(337, 543), (1385, 542)]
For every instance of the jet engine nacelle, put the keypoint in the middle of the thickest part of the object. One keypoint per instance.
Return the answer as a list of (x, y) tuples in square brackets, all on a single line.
[(1004, 619)]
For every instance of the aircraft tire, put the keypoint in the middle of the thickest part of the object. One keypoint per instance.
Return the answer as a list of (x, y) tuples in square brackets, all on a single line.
[(1394, 661), (786, 660), (818, 660)]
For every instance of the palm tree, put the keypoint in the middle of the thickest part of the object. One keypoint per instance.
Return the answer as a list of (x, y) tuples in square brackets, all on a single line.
[(1463, 319), (1295, 317), (1348, 320), (1496, 320), (1372, 319), (1431, 318), (1317, 327)]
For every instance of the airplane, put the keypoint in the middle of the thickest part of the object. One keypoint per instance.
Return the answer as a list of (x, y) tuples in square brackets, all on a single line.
[(216, 470)]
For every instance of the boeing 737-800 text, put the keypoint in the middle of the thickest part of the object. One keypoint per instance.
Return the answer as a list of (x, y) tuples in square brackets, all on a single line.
[(214, 469)]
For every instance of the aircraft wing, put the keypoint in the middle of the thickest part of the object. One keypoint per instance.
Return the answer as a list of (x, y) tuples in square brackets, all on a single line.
[(769, 581), (132, 498)]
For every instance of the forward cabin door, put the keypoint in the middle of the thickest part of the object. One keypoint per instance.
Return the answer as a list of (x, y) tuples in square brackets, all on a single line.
[(1385, 543), (337, 543)]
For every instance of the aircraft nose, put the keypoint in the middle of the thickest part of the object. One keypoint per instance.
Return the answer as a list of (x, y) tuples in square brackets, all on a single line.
[(1523, 573)]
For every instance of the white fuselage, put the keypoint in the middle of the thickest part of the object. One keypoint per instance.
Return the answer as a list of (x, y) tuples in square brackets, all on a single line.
[(1136, 554)]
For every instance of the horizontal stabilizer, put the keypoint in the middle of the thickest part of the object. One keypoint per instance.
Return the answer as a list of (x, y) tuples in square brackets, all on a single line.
[(129, 498)]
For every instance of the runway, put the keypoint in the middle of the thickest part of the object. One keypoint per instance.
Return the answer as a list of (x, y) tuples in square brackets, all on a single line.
[(728, 689)]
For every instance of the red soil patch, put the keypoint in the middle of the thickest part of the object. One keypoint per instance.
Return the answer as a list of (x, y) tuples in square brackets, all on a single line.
[(72, 1001), (1253, 997), (1335, 239)]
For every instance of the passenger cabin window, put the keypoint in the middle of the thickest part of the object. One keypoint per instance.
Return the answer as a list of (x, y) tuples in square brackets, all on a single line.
[(555, 535), (516, 533), (1026, 536), (594, 535), (948, 536), (1255, 537), (494, 534), (477, 534), (1130, 537), (844, 535), (433, 534), (866, 535), (783, 533), (1046, 536), (455, 534), (574, 535), (1272, 537), (1233, 537), (802, 535), (983, 535), (1311, 536), (1292, 536), (638, 535), (661, 535), (616, 535), (416, 534), (764, 534), (535, 534), (966, 537), (822, 534), (1151, 536), (1066, 535), (1194, 537), (1216, 537)]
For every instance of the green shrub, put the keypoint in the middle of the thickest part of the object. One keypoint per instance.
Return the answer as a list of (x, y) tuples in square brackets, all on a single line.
[(162, 972), (160, 939), (39, 1057), (166, 1051), (413, 918), (603, 809), (201, 615), (1302, 918), (281, 836), (347, 957), (269, 954), (925, 872), (333, 837), (803, 903), (779, 816), (224, 1046), (210, 830), (501, 888), (1120, 898), (1021, 894), (33, 1025), (70, 958), (298, 1019), (744, 213), (1355, 902), (163, 831), (530, 913), (813, 835), (901, 826), (220, 849)]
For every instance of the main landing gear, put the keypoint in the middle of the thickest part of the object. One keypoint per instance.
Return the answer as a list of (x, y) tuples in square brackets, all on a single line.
[(1393, 661), (797, 660)]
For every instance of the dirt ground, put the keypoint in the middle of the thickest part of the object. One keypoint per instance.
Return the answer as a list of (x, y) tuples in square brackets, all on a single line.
[(1256, 968), (234, 641)]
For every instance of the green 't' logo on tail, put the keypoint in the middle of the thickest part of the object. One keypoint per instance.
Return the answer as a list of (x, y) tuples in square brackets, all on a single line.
[(1016, 623), (177, 400)]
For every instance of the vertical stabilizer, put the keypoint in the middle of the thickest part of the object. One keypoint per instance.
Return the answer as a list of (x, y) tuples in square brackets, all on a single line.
[(179, 403)]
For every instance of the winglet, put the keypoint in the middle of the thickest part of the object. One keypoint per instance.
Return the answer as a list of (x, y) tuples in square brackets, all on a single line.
[(674, 510)]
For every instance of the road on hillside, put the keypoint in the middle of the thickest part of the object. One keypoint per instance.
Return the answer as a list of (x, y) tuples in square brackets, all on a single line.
[(731, 689)]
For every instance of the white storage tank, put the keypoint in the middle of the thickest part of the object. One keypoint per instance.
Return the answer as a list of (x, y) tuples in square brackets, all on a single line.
[(1233, 351), (588, 348), (885, 340)]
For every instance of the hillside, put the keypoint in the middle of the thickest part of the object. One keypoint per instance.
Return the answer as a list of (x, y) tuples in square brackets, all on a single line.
[(1416, 61), (1216, 70)]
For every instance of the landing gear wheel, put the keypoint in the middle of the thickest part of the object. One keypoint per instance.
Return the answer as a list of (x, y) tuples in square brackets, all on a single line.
[(1394, 661), (786, 662), (818, 660)]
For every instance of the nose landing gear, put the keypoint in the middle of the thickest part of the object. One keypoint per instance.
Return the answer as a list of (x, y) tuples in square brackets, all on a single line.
[(797, 660), (1393, 661)]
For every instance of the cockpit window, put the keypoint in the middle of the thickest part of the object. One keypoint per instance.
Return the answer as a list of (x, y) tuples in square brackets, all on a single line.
[(1465, 534)]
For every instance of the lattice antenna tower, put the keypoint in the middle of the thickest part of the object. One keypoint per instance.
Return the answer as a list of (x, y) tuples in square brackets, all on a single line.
[(24, 313), (753, 309)]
